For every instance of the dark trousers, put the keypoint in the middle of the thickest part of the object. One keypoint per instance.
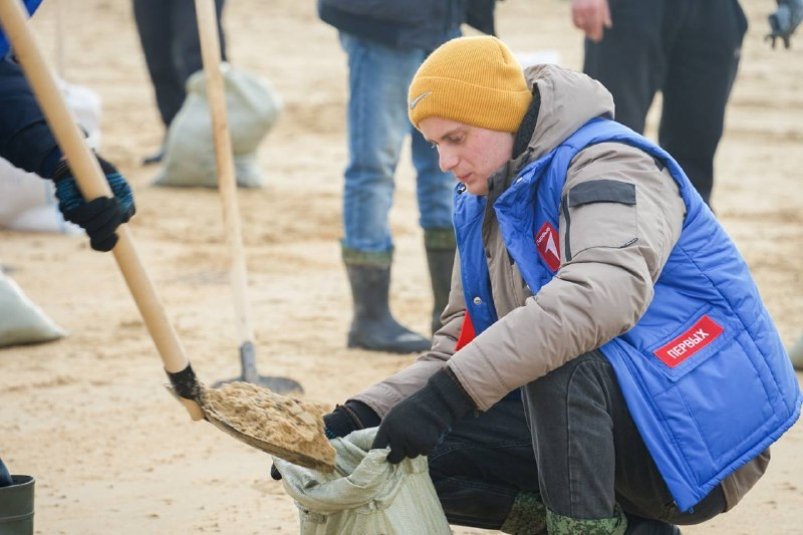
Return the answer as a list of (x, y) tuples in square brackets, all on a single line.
[(687, 49), (570, 439), (168, 31)]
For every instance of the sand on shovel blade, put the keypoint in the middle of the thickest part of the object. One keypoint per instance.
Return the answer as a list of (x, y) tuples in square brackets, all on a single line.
[(285, 427)]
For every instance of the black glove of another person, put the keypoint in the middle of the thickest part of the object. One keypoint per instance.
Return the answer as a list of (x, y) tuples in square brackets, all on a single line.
[(784, 21), (350, 416), (344, 419), (99, 217), (416, 425)]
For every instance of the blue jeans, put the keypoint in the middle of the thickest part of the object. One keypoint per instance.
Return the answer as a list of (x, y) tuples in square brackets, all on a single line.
[(571, 440), (377, 125)]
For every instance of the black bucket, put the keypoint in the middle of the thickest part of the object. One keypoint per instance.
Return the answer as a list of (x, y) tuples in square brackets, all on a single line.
[(16, 506)]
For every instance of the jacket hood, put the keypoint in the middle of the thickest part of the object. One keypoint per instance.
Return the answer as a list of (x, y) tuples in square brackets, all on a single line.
[(569, 99)]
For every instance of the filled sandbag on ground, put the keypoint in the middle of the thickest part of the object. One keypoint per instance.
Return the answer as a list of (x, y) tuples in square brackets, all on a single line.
[(28, 203), (21, 321), (365, 494), (252, 108)]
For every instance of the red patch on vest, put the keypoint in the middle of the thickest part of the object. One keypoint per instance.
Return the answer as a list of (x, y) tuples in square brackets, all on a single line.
[(467, 333), (699, 335), (546, 241)]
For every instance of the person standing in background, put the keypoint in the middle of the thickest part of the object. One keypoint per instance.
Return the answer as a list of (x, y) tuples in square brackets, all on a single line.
[(168, 31), (385, 43), (27, 142), (686, 49)]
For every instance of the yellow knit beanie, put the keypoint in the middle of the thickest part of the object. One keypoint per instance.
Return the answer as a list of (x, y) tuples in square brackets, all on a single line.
[(472, 80)]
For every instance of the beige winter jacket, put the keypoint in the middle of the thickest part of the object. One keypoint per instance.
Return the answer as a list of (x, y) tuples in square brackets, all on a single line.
[(600, 292)]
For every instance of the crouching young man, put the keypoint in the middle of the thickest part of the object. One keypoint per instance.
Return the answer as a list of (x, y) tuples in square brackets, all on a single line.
[(606, 364)]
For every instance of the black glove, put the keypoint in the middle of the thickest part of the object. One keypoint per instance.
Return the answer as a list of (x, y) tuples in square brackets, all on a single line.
[(784, 21), (350, 416), (99, 217), (416, 425), (274, 473)]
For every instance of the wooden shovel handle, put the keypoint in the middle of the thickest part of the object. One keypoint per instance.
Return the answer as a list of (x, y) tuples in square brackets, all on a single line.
[(227, 184), (93, 184)]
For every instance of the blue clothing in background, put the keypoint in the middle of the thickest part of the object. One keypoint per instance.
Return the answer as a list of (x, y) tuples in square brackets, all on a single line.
[(25, 138), (385, 43), (377, 121), (31, 5)]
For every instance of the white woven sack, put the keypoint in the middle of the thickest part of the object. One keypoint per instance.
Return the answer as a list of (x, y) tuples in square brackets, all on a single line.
[(21, 321), (85, 104), (365, 495), (28, 203), (252, 108)]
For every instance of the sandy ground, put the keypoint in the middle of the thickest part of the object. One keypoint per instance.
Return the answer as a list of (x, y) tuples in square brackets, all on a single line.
[(88, 416)]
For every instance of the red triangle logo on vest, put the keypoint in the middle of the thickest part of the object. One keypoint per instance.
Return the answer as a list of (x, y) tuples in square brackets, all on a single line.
[(546, 241)]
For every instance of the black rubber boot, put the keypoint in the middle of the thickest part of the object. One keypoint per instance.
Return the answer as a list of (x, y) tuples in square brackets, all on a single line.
[(373, 327), (440, 247), (16, 503)]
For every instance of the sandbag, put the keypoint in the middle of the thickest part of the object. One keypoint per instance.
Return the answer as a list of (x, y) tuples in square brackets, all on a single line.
[(252, 108), (85, 105), (21, 321), (28, 203), (365, 495)]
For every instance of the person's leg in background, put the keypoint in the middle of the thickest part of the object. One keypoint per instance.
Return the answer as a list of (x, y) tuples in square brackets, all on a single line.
[(168, 32), (630, 61), (596, 475), (185, 48), (377, 126), (435, 190), (702, 67), (155, 28)]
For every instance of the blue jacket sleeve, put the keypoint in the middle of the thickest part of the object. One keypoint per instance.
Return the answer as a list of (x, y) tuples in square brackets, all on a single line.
[(31, 6), (25, 138)]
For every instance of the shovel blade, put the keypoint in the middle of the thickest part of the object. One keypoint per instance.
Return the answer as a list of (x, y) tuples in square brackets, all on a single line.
[(280, 385)]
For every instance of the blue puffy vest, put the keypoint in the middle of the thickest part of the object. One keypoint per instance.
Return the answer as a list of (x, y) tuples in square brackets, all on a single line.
[(704, 372)]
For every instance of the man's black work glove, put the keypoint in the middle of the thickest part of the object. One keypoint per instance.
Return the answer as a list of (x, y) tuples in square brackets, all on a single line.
[(350, 416), (784, 21), (99, 217), (416, 425)]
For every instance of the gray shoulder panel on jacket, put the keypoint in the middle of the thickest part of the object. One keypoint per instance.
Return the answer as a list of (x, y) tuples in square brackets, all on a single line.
[(602, 190)]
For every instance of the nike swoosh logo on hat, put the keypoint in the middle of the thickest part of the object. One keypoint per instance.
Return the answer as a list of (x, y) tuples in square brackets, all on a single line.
[(419, 98)]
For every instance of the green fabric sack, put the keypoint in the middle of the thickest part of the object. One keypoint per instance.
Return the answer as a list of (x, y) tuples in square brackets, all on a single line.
[(252, 108), (365, 495)]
